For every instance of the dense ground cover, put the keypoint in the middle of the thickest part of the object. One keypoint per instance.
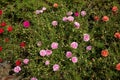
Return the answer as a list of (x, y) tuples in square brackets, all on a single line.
[(69, 40)]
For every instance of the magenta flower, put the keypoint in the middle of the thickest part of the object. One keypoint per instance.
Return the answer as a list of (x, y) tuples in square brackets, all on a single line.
[(56, 67), (26, 24), (86, 37), (70, 18), (76, 14), (69, 13), (47, 62), (17, 69), (77, 25), (43, 53), (54, 45), (74, 59), (68, 54), (74, 45), (48, 52), (33, 78), (26, 61), (65, 19), (54, 23), (83, 13), (88, 48)]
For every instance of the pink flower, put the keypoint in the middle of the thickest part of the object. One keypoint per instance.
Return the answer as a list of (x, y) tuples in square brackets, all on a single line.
[(77, 25), (88, 48), (69, 13), (54, 23), (65, 19), (76, 14), (33, 78), (74, 59), (47, 62), (74, 45), (43, 8), (68, 54), (56, 67), (48, 52), (54, 45), (70, 18), (26, 24), (43, 53), (83, 13), (26, 61), (17, 69), (86, 37), (37, 12)]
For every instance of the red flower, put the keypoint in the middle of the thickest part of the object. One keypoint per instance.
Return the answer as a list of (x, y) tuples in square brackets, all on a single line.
[(0, 48), (6, 39), (118, 67), (105, 18), (22, 44), (18, 63), (9, 28), (1, 12), (104, 53), (1, 30), (114, 8), (3, 24), (1, 60), (117, 35), (96, 18)]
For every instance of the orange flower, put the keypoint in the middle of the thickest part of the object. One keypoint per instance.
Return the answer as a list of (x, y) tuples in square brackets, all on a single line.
[(118, 67), (114, 8), (96, 18), (55, 5), (104, 53), (117, 35), (105, 18)]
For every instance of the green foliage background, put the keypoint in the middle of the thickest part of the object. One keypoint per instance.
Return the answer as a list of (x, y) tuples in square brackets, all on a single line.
[(102, 37)]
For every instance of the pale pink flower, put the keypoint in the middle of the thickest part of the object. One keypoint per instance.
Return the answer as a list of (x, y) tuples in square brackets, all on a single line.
[(26, 61), (65, 19), (77, 25), (74, 59), (70, 18), (54, 45), (56, 67), (37, 12), (39, 43), (33, 78), (88, 48), (86, 37), (83, 13), (48, 52), (26, 24), (74, 45), (69, 13), (43, 53), (68, 54), (41, 11), (17, 69), (47, 62), (54, 23), (43, 8)]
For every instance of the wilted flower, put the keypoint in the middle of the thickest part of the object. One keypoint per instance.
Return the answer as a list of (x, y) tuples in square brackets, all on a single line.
[(96, 18), (69, 13), (43, 8), (39, 43), (88, 48), (56, 67), (77, 25)]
